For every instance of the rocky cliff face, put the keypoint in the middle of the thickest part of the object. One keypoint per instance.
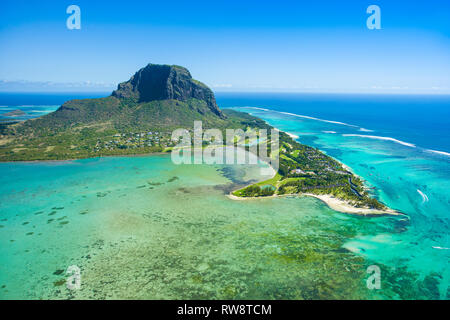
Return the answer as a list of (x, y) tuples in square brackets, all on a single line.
[(164, 82)]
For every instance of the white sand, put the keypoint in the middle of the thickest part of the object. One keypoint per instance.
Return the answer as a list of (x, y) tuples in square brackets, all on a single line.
[(293, 136), (332, 202), (344, 206)]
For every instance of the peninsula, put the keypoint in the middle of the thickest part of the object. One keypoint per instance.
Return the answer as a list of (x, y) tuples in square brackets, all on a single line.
[(306, 171)]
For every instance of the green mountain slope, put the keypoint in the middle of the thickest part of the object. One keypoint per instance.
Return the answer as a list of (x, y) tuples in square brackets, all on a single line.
[(138, 117)]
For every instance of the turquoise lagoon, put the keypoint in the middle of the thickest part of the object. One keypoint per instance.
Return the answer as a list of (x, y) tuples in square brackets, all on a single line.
[(142, 227)]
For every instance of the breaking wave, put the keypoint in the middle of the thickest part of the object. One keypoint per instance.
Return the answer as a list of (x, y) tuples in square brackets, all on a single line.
[(439, 152), (442, 153), (381, 138)]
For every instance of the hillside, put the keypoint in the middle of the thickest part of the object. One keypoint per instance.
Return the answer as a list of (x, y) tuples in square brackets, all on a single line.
[(138, 117)]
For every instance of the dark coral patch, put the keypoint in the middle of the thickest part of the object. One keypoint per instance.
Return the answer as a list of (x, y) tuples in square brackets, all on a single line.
[(58, 272), (59, 282)]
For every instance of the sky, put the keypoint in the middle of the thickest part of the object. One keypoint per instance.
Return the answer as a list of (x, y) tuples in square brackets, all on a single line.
[(293, 46)]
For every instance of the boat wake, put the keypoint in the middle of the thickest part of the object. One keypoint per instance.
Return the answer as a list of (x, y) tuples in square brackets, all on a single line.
[(423, 195)]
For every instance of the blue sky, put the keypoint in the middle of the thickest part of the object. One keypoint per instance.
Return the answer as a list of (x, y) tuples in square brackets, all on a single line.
[(302, 46)]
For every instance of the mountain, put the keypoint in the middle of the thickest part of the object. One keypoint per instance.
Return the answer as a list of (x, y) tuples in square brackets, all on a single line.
[(163, 82), (157, 98)]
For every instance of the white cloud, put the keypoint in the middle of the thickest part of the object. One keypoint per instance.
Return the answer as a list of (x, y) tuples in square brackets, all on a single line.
[(25, 85)]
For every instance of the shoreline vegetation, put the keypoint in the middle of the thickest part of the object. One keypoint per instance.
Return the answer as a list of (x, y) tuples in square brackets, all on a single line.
[(332, 182)]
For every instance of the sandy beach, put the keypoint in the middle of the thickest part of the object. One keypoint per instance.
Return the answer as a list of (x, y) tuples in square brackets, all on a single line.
[(343, 206), (293, 136), (332, 202)]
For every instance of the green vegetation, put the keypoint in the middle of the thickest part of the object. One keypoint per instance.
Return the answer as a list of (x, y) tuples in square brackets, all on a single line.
[(273, 181), (303, 169), (51, 138), (257, 191)]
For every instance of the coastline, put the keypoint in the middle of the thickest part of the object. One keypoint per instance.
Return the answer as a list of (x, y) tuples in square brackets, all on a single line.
[(294, 137), (343, 206), (85, 158), (332, 202)]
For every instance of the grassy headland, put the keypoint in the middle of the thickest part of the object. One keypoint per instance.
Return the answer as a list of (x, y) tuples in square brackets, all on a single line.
[(304, 170)]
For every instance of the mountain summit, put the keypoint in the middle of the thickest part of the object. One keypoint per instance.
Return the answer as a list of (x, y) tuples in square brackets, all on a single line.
[(157, 96), (164, 82)]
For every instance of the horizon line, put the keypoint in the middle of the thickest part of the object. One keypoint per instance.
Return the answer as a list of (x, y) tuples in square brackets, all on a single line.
[(241, 92)]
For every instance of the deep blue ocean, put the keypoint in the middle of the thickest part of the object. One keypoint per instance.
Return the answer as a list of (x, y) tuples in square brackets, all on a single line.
[(423, 120)]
